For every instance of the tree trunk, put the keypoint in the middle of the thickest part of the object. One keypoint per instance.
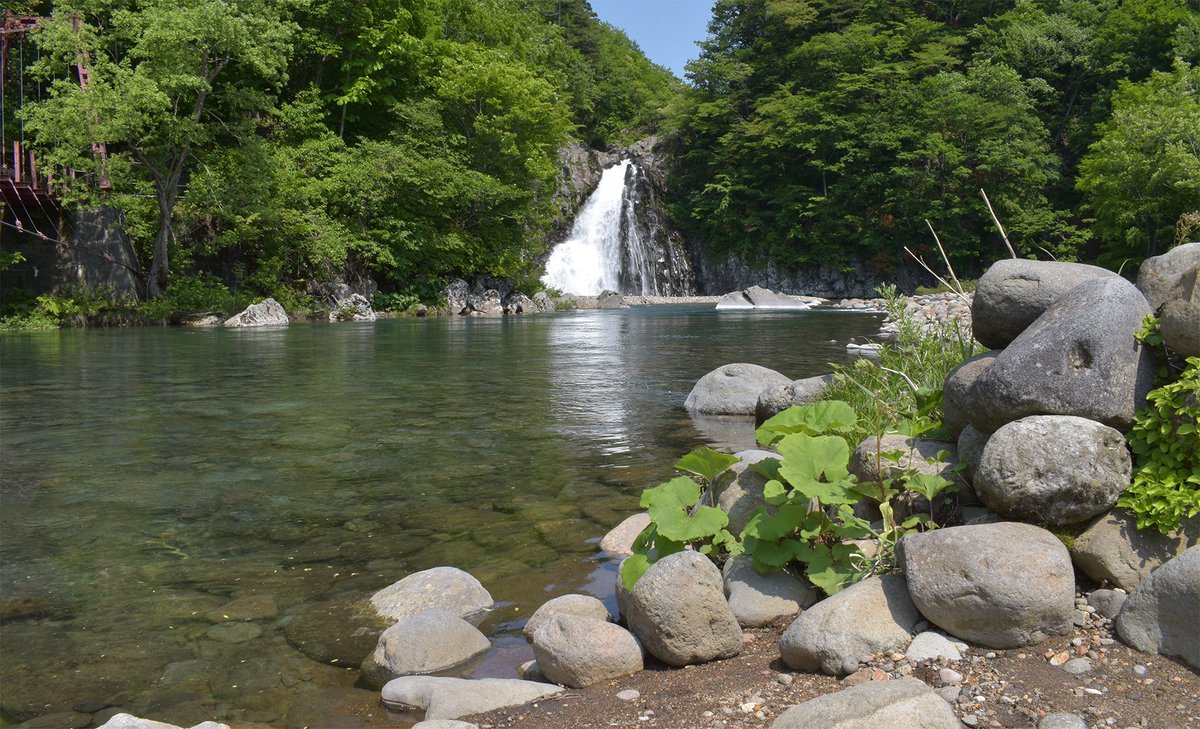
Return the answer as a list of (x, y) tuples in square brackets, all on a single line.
[(160, 266)]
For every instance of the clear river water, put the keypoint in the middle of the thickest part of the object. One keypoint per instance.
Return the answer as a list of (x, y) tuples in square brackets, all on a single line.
[(185, 515)]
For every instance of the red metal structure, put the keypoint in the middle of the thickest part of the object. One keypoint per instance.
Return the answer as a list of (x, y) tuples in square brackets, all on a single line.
[(23, 184)]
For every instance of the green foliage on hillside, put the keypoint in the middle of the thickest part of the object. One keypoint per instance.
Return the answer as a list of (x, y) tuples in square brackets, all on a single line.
[(821, 129), (403, 140)]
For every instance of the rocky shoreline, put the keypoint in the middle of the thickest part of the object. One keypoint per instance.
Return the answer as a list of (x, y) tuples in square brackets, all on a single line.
[(1038, 603)]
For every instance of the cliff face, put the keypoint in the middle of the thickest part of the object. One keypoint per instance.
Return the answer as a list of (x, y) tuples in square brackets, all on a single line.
[(719, 274)]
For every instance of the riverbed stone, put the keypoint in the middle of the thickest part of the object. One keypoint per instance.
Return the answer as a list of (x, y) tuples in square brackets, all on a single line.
[(577, 651), (578, 605), (739, 491), (1026, 474), (971, 442), (1014, 292), (905, 703), (620, 538), (1113, 550), (1161, 277), (999, 585), (265, 313), (610, 300), (758, 599), (440, 587), (129, 721), (677, 610), (869, 617), (1162, 614), (732, 389), (338, 631), (956, 398), (1079, 358), (427, 642), (931, 646), (775, 400), (450, 698), (444, 724)]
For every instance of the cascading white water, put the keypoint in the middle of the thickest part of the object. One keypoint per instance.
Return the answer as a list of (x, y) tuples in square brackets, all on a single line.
[(589, 260)]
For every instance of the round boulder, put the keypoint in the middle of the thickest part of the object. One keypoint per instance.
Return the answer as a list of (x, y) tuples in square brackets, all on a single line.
[(732, 389), (739, 491), (427, 642), (999, 585), (1160, 277), (441, 587), (1053, 469), (757, 600), (1112, 549), (775, 400), (678, 611), (971, 442), (1080, 357), (956, 400), (620, 538), (869, 617), (579, 605), (578, 651), (1180, 318), (1162, 614), (1014, 292)]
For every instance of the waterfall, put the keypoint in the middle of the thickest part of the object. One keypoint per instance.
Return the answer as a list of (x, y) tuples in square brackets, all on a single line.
[(618, 243)]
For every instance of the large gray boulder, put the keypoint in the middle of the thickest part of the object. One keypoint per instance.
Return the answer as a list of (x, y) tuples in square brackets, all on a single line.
[(833, 636), (1053, 469), (338, 631), (732, 389), (440, 587), (1163, 614), (354, 307), (266, 313), (578, 651), (1014, 292), (1112, 549), (1080, 357), (610, 300), (579, 605), (906, 703), (427, 642), (1160, 277), (999, 585), (450, 698), (485, 303), (757, 600), (678, 611), (956, 399), (619, 540), (775, 400), (455, 294)]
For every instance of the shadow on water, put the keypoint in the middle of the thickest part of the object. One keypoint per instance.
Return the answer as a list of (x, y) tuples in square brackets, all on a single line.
[(153, 480)]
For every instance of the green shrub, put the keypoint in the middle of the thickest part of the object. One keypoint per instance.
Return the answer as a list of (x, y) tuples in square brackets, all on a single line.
[(394, 302), (1165, 441), (191, 294), (968, 284)]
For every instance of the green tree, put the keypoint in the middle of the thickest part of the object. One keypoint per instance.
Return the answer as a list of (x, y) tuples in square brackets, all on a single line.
[(166, 80), (1143, 172)]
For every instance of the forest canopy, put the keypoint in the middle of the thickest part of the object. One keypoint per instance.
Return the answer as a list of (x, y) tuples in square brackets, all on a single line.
[(271, 143), (281, 141), (822, 130)]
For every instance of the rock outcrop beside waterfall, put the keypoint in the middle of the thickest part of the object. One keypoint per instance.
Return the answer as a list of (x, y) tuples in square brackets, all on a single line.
[(717, 274), (651, 257)]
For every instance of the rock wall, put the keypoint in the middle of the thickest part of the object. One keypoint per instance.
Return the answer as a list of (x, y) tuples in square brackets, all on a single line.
[(721, 273)]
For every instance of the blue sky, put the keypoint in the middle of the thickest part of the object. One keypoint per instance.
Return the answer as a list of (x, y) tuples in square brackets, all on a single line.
[(666, 30)]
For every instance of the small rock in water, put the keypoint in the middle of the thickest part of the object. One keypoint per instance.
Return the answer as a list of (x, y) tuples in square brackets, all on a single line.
[(629, 695)]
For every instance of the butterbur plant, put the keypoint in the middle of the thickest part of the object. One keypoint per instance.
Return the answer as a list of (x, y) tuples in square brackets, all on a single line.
[(1165, 441), (678, 519)]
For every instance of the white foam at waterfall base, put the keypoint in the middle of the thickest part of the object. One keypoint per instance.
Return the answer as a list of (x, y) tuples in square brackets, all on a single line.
[(589, 260)]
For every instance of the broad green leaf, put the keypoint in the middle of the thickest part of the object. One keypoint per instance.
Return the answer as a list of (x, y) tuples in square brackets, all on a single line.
[(669, 505), (768, 468), (772, 528), (678, 493), (830, 568), (632, 570), (706, 463), (775, 493), (815, 466), (770, 556), (813, 419)]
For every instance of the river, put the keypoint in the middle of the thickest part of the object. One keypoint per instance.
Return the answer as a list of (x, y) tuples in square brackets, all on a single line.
[(152, 478)]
